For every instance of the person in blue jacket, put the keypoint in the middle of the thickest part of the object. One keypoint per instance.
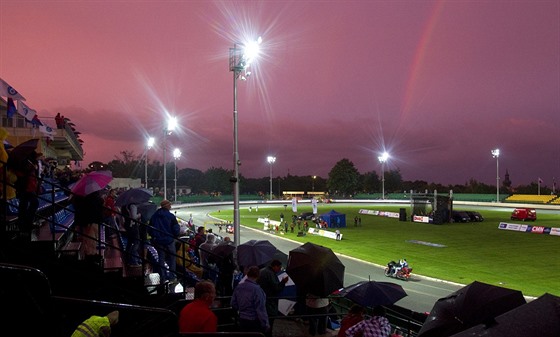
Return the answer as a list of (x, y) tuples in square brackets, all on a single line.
[(163, 230)]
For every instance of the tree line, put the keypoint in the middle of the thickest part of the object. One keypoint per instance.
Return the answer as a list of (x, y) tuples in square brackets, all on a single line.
[(342, 180)]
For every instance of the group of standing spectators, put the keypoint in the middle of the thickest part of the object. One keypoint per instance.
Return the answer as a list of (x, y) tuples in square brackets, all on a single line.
[(255, 301), (99, 208), (254, 298)]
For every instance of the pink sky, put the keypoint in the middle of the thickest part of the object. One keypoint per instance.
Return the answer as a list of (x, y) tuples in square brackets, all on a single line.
[(438, 84)]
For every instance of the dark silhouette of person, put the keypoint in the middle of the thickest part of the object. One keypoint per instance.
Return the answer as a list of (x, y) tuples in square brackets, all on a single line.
[(272, 286), (27, 191)]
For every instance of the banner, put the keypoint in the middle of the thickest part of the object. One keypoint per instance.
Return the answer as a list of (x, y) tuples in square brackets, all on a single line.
[(294, 205)]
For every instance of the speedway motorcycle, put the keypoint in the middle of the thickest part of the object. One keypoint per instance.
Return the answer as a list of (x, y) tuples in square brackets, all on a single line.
[(398, 270)]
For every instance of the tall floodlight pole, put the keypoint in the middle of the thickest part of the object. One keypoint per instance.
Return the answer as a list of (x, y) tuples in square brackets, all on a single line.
[(496, 154), (240, 58), (171, 123), (176, 156), (382, 159), (313, 183), (149, 144), (271, 161)]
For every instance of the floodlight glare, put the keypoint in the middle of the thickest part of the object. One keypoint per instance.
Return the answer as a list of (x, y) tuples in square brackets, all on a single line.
[(176, 156), (149, 145), (171, 124), (383, 158)]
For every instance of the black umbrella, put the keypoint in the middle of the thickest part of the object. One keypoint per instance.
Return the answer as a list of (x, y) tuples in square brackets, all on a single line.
[(315, 269), (255, 253), (539, 317), (138, 195), (372, 293), (224, 248), (280, 256), (19, 154), (473, 304)]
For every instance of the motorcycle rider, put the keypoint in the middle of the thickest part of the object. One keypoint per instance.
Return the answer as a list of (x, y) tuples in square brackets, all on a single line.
[(402, 263)]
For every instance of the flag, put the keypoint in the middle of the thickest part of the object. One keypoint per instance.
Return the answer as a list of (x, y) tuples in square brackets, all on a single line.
[(540, 180), (7, 90), (47, 131), (294, 205), (11, 108), (26, 111)]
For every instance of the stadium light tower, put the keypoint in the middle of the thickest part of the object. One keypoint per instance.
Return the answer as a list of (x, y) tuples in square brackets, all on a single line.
[(176, 156), (383, 159), (271, 160), (496, 154), (167, 131), (149, 145), (240, 58)]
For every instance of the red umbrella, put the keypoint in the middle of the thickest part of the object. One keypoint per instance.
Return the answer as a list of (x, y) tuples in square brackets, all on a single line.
[(92, 182)]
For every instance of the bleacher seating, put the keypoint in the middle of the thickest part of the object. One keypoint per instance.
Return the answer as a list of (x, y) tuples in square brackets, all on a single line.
[(63, 220), (45, 201), (531, 198)]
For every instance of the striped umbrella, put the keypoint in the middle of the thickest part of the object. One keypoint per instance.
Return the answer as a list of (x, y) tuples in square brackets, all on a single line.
[(92, 182)]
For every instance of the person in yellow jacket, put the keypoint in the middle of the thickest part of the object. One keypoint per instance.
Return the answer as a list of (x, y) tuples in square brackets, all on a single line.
[(97, 326), (184, 259), (10, 190)]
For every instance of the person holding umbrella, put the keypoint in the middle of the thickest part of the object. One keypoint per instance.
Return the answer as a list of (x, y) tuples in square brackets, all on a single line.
[(132, 223), (110, 211), (318, 308)]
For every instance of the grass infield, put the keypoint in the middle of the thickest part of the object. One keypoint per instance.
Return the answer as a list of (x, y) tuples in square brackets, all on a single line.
[(472, 251)]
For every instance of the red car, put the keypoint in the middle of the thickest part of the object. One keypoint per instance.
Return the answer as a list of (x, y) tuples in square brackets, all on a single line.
[(524, 214)]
